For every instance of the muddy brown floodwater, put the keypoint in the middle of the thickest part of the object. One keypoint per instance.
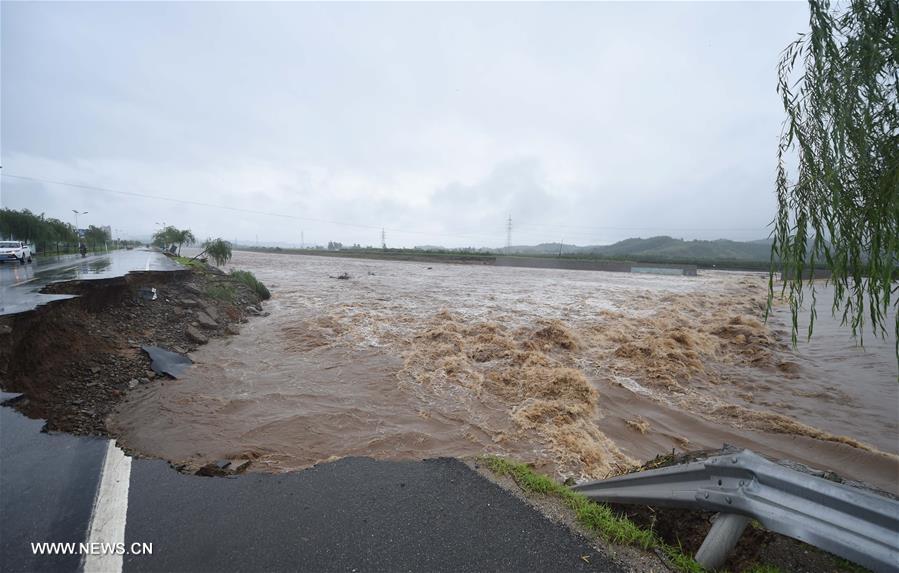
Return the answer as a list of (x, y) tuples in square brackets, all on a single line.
[(583, 373)]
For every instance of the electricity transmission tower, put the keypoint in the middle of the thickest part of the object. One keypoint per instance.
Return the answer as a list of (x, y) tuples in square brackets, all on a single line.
[(383, 239), (509, 233)]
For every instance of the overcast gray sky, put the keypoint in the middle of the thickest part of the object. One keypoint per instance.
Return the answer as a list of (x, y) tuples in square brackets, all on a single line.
[(587, 122)]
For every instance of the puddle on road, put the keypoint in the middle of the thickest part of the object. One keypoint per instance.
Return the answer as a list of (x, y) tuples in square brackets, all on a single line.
[(402, 361)]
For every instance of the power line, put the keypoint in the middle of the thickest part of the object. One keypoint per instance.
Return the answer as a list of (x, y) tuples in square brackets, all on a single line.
[(237, 209), (177, 200), (363, 226)]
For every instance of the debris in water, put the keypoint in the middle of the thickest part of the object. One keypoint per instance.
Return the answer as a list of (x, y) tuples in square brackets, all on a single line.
[(216, 468)]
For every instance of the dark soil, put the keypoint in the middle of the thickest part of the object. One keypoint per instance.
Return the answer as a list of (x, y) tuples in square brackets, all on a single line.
[(75, 359)]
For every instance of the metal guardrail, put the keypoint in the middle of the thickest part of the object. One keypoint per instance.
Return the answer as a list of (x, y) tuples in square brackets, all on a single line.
[(855, 524)]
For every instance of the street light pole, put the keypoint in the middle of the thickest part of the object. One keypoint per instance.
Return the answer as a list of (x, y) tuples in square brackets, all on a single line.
[(162, 227), (76, 217), (76, 221)]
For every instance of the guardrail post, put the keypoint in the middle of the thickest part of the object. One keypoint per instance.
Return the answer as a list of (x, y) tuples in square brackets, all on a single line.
[(722, 538)]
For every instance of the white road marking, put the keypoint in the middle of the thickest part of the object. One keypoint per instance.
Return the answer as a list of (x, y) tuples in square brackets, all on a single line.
[(110, 510), (147, 267), (23, 282)]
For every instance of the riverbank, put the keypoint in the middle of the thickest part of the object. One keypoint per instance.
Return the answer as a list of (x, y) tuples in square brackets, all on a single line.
[(565, 261)]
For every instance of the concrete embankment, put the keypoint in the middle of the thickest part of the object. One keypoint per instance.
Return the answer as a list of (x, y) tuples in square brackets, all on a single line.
[(596, 265), (561, 263)]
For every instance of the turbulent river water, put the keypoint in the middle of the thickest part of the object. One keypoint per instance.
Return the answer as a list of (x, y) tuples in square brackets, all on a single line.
[(584, 373)]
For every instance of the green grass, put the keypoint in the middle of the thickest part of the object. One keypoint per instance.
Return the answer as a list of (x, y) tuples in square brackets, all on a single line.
[(191, 263), (602, 521), (595, 517), (221, 292), (249, 279)]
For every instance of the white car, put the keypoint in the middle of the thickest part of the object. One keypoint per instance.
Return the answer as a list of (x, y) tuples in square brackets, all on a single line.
[(17, 250)]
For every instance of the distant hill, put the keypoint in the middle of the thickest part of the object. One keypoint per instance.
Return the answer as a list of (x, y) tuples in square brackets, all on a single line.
[(667, 247), (660, 248), (721, 252)]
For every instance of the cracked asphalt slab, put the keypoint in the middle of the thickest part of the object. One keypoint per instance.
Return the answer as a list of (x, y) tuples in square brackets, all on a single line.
[(355, 514), (20, 285)]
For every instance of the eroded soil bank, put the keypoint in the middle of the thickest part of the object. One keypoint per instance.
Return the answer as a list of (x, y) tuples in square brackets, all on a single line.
[(75, 359)]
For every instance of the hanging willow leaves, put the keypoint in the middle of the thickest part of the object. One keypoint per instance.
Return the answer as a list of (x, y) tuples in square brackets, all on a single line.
[(838, 164)]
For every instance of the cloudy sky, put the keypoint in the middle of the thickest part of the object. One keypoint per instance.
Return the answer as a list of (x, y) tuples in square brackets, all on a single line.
[(587, 123)]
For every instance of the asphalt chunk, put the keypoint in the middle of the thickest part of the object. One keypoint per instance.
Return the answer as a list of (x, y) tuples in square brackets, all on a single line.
[(164, 361)]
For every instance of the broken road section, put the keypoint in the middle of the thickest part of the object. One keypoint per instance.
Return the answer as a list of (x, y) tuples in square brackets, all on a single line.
[(74, 359)]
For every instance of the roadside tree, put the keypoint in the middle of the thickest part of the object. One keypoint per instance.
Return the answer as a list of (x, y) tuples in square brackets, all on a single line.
[(218, 250), (838, 163)]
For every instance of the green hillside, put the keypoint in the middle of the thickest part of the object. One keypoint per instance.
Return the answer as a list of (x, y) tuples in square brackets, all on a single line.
[(660, 248), (670, 248)]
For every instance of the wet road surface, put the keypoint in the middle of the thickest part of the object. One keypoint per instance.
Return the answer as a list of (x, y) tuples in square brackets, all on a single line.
[(354, 514), (48, 487), (20, 284)]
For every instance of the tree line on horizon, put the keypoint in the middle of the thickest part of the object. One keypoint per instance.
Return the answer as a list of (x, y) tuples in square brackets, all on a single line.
[(48, 234)]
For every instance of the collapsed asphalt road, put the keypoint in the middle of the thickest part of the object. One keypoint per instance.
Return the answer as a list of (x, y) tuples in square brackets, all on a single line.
[(20, 284), (76, 358), (356, 514)]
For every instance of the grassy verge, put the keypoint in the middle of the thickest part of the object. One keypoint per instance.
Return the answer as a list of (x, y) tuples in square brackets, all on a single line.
[(249, 279), (222, 292), (192, 263), (595, 517)]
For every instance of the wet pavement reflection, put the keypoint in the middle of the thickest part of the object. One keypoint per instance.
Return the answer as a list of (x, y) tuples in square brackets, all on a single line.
[(20, 284)]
